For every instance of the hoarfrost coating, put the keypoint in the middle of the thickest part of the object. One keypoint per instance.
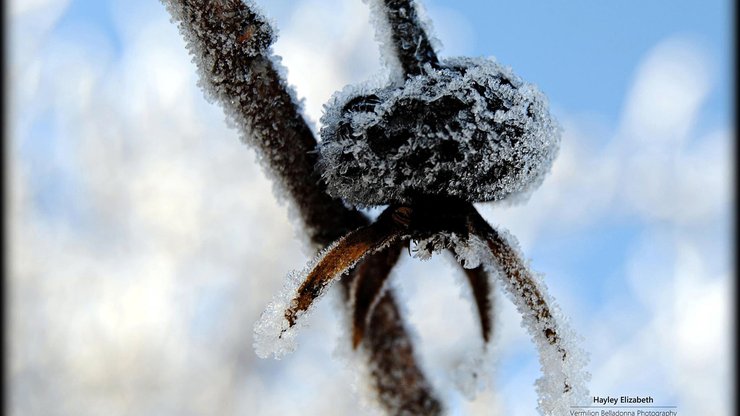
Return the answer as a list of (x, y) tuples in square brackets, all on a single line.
[(562, 360), (275, 332), (471, 129)]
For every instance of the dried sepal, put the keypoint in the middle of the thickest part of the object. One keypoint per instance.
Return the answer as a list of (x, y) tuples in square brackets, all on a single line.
[(521, 280), (338, 260), (480, 283), (564, 378)]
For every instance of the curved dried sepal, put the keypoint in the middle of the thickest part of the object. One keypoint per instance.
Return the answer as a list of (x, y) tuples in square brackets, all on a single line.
[(338, 259), (526, 291), (367, 287), (481, 283)]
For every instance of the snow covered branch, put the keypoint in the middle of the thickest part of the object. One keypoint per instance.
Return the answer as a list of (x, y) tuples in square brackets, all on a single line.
[(230, 42)]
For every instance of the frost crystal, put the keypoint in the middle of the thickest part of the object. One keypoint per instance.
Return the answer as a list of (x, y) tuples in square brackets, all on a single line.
[(272, 333), (470, 129)]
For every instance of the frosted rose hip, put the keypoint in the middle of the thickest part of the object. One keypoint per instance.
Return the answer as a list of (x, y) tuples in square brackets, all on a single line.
[(471, 130)]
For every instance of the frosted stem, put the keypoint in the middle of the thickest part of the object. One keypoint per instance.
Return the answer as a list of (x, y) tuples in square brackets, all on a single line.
[(401, 386), (408, 39), (230, 42)]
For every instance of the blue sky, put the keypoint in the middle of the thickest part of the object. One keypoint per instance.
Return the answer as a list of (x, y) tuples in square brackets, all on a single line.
[(143, 232), (582, 52), (585, 52)]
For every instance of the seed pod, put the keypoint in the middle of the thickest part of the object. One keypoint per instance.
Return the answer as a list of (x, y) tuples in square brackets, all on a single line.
[(470, 129)]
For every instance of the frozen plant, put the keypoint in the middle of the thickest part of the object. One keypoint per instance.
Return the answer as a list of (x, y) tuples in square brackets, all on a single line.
[(442, 135)]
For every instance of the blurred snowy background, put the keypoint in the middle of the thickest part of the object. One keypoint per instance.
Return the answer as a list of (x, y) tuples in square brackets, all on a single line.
[(144, 241)]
